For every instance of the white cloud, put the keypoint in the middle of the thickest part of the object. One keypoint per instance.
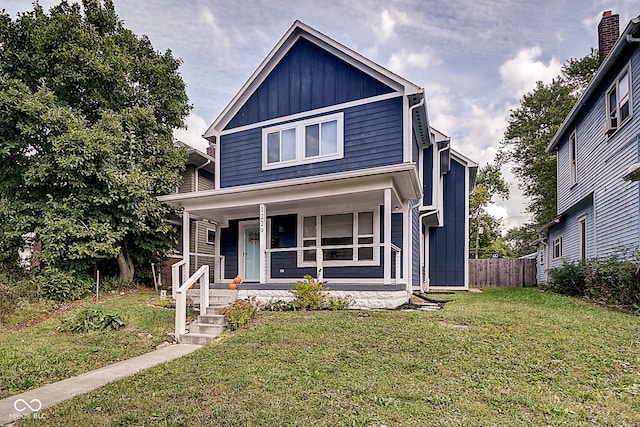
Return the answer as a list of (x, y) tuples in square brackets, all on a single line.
[(401, 61), (520, 74), (192, 135)]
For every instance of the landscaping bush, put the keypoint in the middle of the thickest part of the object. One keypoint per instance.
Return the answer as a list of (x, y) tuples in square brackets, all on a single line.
[(309, 293), (613, 281), (338, 303), (242, 311), (568, 279), (280, 305), (59, 285), (91, 319), (609, 281)]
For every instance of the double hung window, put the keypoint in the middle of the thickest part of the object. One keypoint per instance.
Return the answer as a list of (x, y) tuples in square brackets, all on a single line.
[(557, 248), (307, 141), (618, 101)]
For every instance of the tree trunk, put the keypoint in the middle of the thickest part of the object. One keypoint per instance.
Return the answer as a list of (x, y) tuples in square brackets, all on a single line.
[(125, 262)]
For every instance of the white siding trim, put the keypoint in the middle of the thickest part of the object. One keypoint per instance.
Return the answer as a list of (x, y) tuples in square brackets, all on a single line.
[(305, 114)]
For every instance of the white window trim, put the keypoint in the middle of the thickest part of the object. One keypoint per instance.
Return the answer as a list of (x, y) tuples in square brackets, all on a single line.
[(556, 241), (210, 242), (342, 263), (582, 238), (615, 86), (299, 126), (573, 159)]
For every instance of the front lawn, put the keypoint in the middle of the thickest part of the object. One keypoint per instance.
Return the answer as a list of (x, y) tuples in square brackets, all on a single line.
[(506, 357), (37, 355)]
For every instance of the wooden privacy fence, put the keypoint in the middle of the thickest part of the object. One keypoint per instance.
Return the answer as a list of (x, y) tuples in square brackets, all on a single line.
[(502, 272)]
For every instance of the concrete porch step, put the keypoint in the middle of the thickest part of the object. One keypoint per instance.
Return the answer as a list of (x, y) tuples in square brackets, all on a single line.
[(196, 338), (212, 319), (217, 297), (207, 329)]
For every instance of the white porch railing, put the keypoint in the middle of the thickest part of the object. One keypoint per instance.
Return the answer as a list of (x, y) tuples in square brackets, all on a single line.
[(319, 261), (202, 277)]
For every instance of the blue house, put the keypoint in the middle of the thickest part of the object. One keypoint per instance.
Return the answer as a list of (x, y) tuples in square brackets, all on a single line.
[(325, 165), (598, 149)]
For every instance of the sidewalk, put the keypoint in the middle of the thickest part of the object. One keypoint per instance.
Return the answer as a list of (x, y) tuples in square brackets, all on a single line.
[(32, 401)]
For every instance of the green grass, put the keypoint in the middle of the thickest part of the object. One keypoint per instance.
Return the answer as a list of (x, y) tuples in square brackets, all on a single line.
[(508, 357), (38, 355)]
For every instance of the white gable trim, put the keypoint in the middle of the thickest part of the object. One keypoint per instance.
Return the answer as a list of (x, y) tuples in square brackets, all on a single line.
[(297, 30), (318, 112)]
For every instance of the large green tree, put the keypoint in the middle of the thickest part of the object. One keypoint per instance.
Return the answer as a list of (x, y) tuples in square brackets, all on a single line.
[(485, 237), (87, 110), (531, 127)]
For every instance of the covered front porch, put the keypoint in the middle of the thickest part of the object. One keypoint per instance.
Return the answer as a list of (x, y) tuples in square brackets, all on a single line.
[(349, 229)]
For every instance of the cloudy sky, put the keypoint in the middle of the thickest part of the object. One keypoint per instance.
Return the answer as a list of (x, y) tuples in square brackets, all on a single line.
[(475, 58)]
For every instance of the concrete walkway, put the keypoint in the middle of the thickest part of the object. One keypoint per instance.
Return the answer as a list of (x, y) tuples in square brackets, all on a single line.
[(32, 401)]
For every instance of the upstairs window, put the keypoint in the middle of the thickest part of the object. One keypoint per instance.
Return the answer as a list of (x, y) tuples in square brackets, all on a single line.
[(573, 159), (307, 141), (618, 100)]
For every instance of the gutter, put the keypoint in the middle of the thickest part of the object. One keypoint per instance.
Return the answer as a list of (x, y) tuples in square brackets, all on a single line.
[(197, 173)]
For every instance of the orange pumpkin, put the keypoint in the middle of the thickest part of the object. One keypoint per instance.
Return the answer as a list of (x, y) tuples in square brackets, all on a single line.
[(232, 286), (237, 280)]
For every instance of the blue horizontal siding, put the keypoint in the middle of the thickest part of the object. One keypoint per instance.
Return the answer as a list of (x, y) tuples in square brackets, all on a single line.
[(415, 247), (447, 261), (427, 176), (306, 78), (288, 261), (372, 138)]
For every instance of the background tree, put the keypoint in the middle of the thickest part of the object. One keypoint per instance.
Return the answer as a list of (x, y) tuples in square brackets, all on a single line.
[(87, 110), (519, 239), (531, 127), (485, 230)]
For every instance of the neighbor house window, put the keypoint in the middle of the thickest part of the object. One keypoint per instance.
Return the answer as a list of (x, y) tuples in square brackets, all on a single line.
[(582, 237), (344, 238), (543, 250), (211, 236), (306, 141), (573, 161), (557, 248), (618, 101)]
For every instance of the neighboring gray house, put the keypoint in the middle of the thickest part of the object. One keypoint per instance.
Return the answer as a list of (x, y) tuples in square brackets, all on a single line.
[(597, 146)]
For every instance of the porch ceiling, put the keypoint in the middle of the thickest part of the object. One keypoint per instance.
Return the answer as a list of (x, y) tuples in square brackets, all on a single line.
[(328, 192)]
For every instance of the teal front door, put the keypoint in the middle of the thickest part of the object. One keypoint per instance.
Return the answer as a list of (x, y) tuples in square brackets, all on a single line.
[(250, 252)]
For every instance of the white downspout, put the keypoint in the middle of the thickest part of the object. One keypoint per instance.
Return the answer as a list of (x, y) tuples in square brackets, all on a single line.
[(197, 173)]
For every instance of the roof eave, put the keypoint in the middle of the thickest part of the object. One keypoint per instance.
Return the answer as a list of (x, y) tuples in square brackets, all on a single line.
[(601, 73), (299, 29)]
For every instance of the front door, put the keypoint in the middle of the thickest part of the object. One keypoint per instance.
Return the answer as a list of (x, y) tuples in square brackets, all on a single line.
[(249, 246)]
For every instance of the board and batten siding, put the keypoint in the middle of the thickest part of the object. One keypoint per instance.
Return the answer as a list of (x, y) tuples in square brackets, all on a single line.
[(373, 137), (447, 260), (306, 78), (427, 176)]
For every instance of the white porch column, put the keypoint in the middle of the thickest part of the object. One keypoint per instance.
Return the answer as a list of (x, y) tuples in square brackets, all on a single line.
[(407, 245), (263, 244), (186, 235), (387, 236)]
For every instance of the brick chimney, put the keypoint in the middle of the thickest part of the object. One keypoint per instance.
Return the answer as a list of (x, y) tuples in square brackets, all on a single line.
[(211, 149), (608, 33)]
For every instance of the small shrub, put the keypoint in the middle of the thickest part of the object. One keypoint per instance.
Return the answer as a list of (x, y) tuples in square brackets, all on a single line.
[(612, 281), (59, 285), (338, 303), (568, 279), (242, 311), (280, 305), (309, 293), (91, 319)]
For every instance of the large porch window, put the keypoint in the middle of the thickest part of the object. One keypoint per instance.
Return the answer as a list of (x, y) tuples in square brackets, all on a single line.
[(346, 238)]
